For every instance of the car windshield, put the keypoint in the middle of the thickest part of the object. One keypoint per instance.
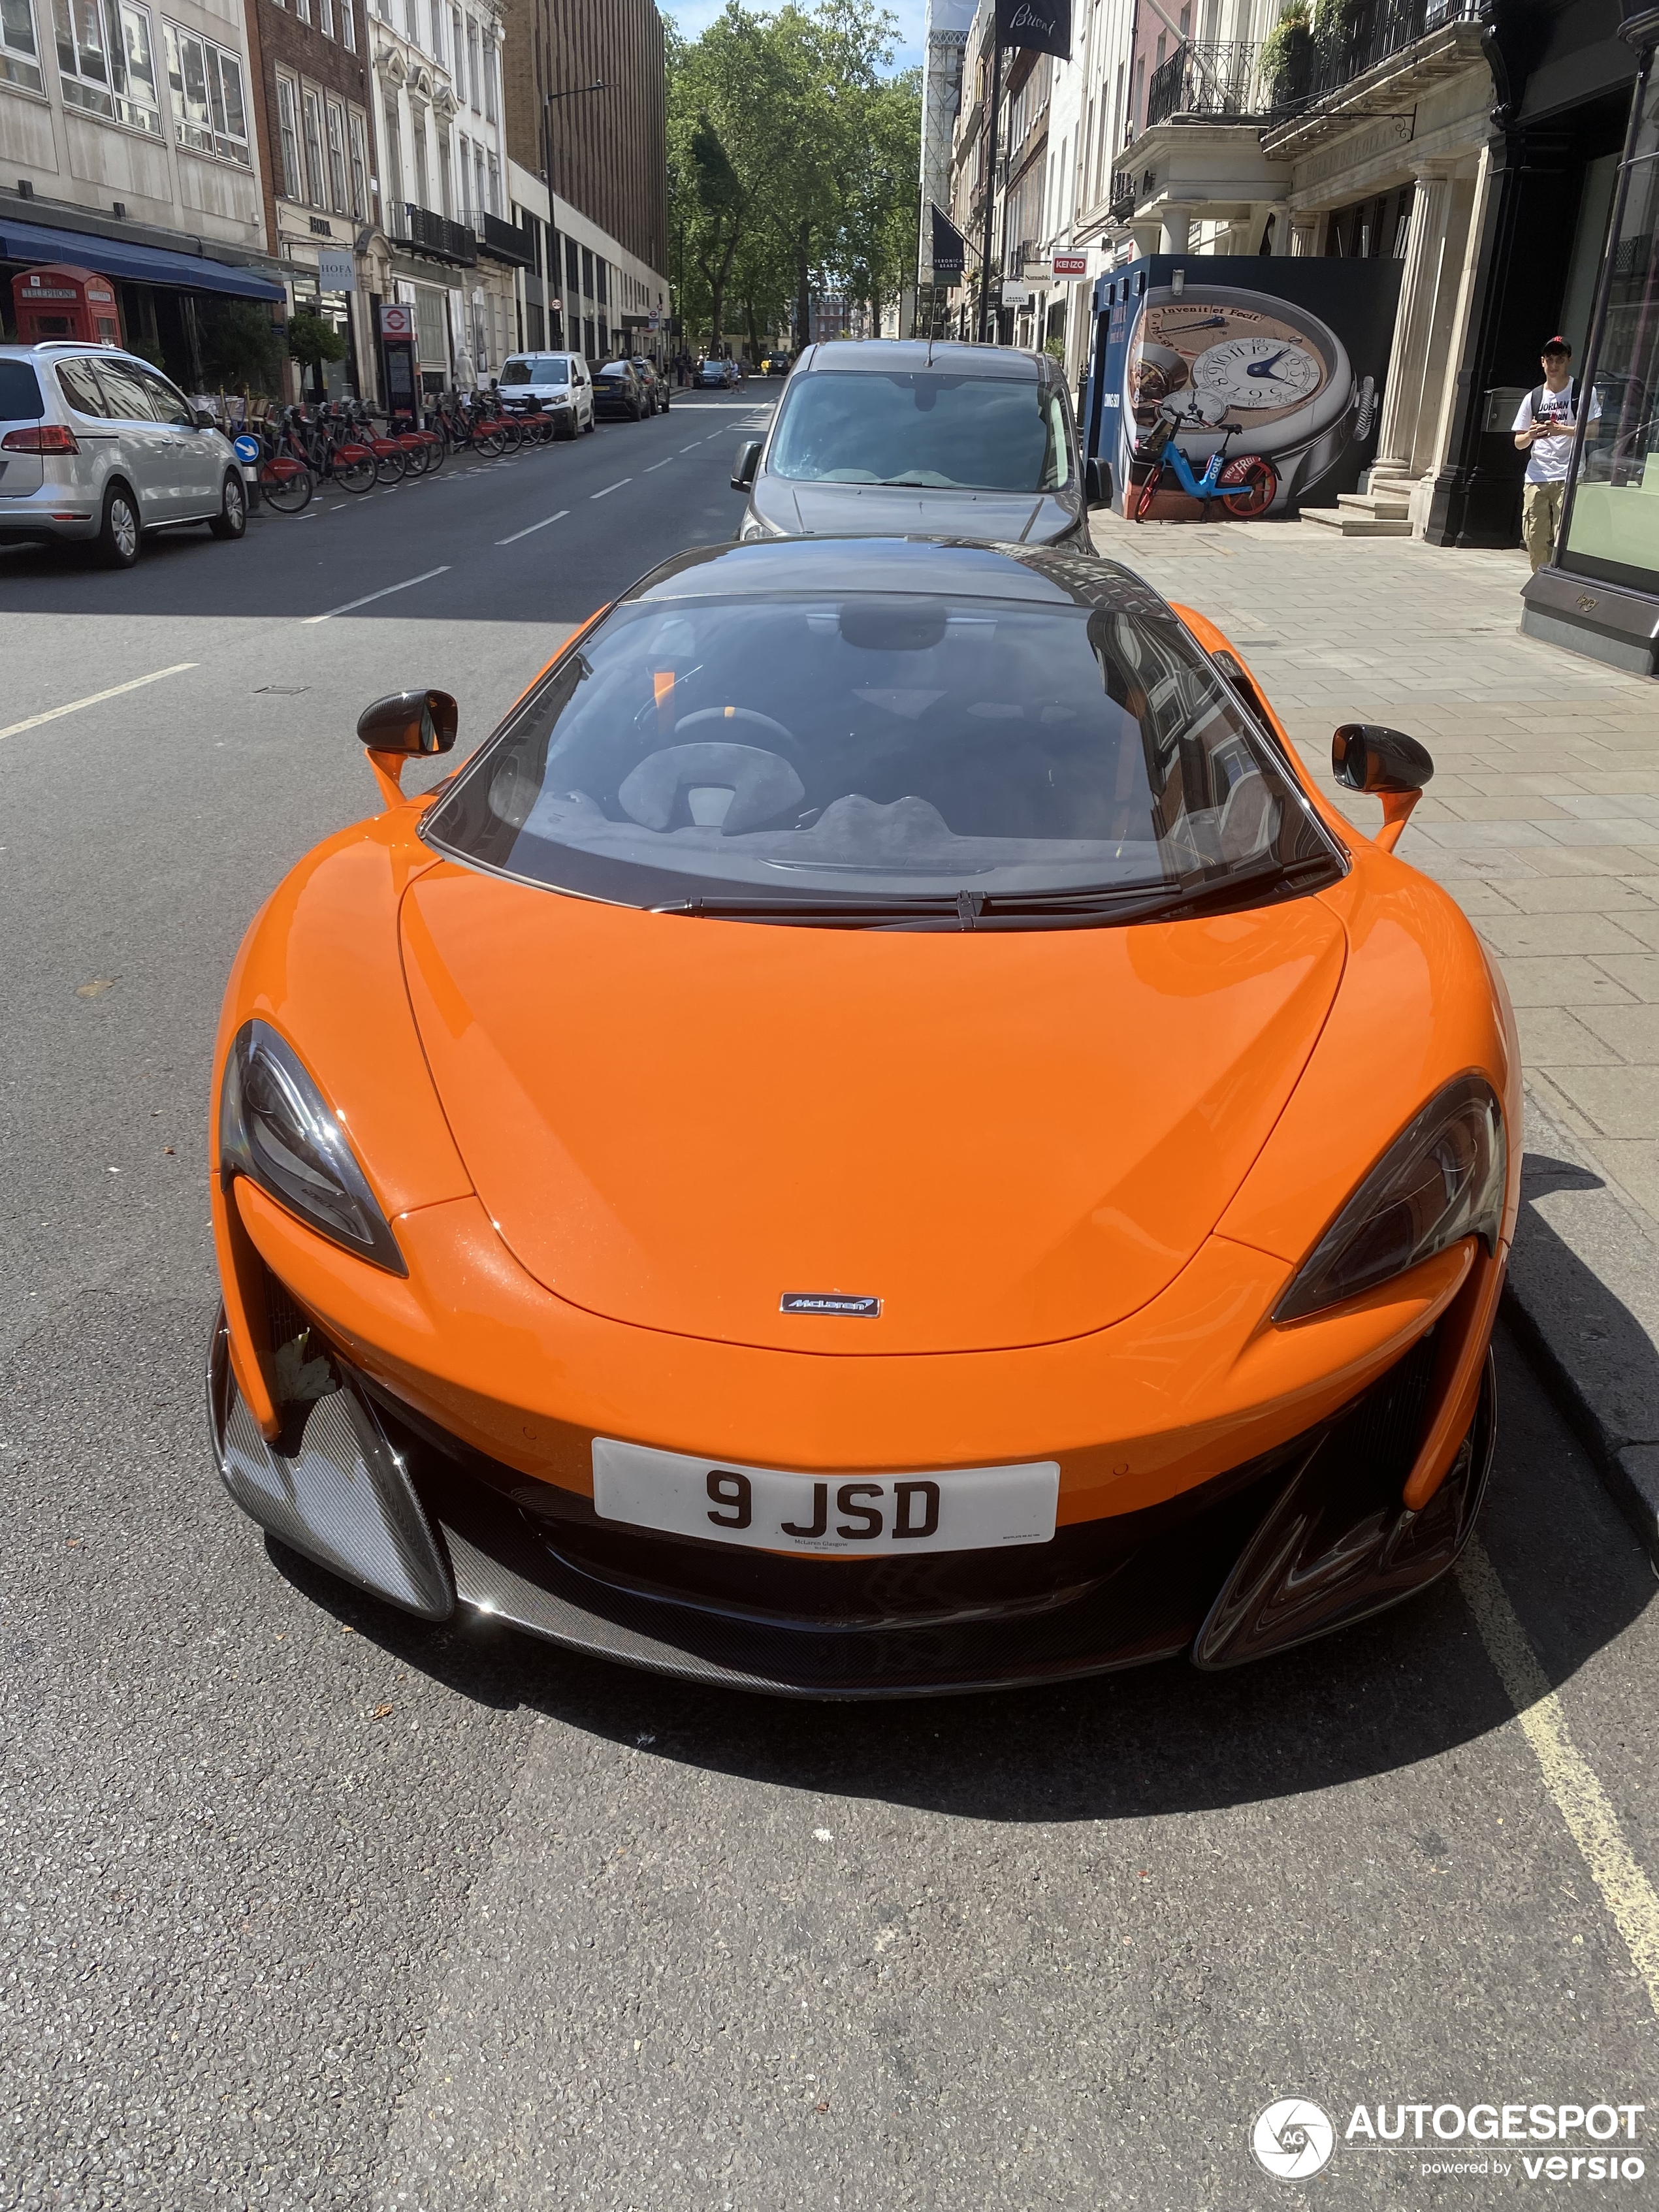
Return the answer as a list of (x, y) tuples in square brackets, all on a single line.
[(851, 745), (545, 368), (617, 369), (943, 432)]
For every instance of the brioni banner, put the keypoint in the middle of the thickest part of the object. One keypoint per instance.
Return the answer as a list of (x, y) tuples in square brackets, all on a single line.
[(1045, 25)]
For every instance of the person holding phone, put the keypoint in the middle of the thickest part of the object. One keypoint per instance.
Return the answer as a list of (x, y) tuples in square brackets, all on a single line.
[(1543, 432)]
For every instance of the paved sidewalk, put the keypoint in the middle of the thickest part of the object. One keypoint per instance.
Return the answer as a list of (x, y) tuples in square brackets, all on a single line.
[(1543, 821)]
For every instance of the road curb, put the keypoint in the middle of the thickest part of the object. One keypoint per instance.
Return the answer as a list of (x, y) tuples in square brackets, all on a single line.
[(1583, 1300)]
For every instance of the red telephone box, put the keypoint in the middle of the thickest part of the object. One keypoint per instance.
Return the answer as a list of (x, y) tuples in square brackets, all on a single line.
[(62, 301)]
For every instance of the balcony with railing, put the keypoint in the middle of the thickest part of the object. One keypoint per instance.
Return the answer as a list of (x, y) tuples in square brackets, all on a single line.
[(498, 239), (1121, 206), (431, 233), (1362, 57), (1213, 80)]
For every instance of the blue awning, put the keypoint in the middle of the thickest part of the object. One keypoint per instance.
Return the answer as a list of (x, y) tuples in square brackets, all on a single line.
[(142, 265)]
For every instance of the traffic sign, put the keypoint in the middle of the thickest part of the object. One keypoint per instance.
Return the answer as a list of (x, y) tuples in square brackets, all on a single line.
[(397, 321)]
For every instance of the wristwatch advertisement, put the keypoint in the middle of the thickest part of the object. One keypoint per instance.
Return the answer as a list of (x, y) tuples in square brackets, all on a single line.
[(1301, 370)]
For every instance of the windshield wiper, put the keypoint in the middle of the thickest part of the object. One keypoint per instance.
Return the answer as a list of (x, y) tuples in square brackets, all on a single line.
[(1050, 910)]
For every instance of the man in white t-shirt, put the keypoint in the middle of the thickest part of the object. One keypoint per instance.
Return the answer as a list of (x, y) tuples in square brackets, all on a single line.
[(1543, 431)]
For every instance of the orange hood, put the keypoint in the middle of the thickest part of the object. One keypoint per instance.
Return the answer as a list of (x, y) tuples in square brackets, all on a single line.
[(1008, 1139)]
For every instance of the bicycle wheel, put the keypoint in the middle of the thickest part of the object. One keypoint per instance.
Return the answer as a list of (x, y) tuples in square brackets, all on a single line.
[(1249, 486), (1146, 494), (390, 464), (354, 468), (437, 452), (513, 433), (285, 485), (491, 442)]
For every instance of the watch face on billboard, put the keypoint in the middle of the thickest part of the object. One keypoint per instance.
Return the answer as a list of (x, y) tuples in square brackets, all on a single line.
[(1219, 357)]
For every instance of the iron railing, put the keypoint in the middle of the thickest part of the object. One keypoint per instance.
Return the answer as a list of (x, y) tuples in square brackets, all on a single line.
[(1121, 204), (1212, 77), (433, 233), (1310, 61), (500, 241)]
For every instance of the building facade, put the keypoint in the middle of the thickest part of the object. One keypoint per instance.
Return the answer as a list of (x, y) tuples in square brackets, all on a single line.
[(128, 147), (311, 95), (587, 114)]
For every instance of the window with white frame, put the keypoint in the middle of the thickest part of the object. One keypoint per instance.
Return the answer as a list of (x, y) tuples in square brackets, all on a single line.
[(107, 61), (302, 9), (492, 103), (20, 53), (445, 173), (311, 108), (437, 30), (359, 140), (347, 26), (495, 200), (458, 54), (206, 83), (479, 185), (288, 133), (472, 66), (325, 17), (338, 197)]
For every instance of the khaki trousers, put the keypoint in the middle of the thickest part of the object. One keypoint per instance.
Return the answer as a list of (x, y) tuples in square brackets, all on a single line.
[(1540, 518)]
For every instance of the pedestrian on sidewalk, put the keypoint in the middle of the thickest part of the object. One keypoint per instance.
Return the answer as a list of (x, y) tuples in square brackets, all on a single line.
[(1543, 431)]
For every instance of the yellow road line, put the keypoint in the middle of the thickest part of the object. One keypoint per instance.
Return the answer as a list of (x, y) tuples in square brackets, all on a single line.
[(1579, 1797), (34, 722)]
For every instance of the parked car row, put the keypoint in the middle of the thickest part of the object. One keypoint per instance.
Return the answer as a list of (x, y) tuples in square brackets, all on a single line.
[(97, 448)]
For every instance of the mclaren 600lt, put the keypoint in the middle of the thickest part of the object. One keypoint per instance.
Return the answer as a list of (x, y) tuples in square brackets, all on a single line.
[(880, 1136)]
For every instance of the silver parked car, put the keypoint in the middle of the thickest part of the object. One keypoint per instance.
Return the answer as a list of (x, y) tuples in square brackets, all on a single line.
[(905, 438), (98, 447)]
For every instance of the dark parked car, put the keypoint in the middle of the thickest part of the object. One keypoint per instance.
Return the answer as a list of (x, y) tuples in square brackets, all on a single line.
[(898, 438), (617, 391)]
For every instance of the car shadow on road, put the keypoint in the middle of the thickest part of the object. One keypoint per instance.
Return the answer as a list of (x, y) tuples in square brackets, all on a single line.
[(1408, 1686)]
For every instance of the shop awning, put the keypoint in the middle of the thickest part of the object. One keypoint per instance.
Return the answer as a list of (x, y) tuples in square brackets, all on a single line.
[(140, 265)]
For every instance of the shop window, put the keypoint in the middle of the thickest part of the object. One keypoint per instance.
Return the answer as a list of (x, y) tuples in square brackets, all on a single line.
[(20, 55), (288, 132), (107, 61), (358, 134), (1613, 517), (312, 109), (206, 83), (337, 157)]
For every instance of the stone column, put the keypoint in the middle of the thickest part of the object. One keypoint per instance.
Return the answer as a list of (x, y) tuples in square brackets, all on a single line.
[(1408, 360), (1284, 229), (1175, 229)]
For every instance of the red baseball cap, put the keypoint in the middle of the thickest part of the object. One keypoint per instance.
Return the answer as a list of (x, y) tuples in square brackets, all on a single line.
[(1557, 344)]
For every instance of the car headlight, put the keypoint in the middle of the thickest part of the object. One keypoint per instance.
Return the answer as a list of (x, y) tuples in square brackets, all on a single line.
[(1440, 1180), (275, 1128)]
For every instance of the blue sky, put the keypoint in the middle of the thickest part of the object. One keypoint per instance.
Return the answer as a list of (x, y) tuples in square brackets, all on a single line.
[(691, 16)]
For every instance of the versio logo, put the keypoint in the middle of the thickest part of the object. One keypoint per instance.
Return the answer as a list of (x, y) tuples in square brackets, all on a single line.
[(1292, 2139)]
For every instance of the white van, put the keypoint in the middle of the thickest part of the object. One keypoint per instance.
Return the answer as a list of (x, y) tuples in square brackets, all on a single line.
[(559, 383)]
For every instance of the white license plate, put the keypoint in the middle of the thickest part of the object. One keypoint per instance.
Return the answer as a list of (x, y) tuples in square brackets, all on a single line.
[(974, 1509)]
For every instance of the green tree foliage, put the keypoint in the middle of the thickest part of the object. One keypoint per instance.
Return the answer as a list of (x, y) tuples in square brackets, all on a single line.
[(793, 166), (241, 351)]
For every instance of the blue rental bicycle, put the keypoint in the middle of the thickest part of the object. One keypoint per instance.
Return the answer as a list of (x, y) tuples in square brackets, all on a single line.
[(1245, 485)]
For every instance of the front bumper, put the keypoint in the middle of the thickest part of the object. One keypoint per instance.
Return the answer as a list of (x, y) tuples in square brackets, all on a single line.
[(1305, 1539)]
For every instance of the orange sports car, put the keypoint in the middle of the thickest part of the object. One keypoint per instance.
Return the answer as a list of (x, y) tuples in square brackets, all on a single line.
[(879, 1136)]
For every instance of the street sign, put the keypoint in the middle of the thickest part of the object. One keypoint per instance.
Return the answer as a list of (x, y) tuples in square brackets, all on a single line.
[(1070, 264), (397, 321), (336, 271), (247, 449)]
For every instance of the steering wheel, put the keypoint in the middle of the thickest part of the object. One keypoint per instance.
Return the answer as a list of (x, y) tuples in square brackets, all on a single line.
[(749, 715)]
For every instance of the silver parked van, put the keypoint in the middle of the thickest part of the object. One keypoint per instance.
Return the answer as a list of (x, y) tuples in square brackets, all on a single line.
[(557, 383), (98, 447), (918, 437)]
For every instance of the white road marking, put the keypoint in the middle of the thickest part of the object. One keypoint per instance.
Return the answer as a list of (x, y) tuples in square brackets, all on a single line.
[(534, 526), (369, 596), (618, 486), (93, 698), (1571, 1782), (659, 465), (692, 448)]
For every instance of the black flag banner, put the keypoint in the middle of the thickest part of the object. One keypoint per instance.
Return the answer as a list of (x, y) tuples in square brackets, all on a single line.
[(1043, 24), (950, 249)]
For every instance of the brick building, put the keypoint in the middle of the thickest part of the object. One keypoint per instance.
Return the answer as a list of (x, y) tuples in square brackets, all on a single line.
[(311, 108)]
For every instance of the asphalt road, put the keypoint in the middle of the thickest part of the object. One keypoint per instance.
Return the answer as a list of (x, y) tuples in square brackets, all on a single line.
[(308, 1905)]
